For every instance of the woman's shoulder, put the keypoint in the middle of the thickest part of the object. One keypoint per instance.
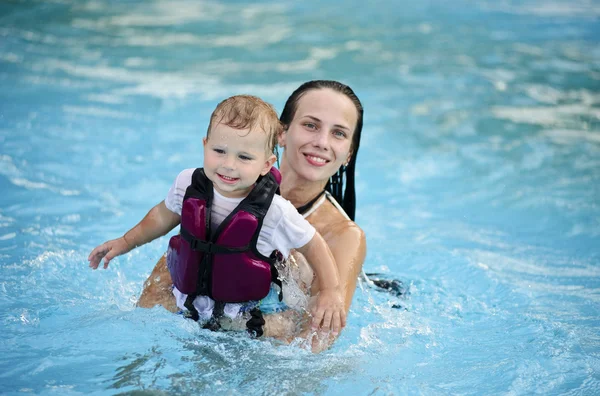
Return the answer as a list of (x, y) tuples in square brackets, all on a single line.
[(329, 219), (344, 237), (348, 234)]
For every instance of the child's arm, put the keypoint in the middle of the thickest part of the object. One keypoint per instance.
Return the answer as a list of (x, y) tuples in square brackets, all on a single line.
[(329, 308), (157, 222)]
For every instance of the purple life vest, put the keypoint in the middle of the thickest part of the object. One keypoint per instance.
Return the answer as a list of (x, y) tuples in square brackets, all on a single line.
[(227, 267)]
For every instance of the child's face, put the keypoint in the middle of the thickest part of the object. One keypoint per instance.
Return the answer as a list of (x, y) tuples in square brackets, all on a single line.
[(235, 158)]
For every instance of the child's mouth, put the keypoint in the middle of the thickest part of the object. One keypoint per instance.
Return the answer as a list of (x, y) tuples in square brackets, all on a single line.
[(227, 179)]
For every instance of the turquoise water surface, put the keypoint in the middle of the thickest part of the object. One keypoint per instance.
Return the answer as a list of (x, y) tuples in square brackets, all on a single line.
[(478, 187)]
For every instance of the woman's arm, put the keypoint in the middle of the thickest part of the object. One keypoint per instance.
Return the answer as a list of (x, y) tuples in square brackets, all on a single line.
[(348, 245), (349, 248), (329, 307)]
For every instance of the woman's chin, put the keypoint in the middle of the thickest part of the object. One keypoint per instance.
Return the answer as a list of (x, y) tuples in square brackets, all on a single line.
[(314, 174)]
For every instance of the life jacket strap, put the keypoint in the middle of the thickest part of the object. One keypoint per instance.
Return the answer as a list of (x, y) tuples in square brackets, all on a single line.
[(218, 312), (275, 257), (275, 279), (210, 247), (255, 324), (192, 312)]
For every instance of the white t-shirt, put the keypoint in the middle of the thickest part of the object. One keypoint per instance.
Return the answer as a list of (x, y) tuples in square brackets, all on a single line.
[(283, 229)]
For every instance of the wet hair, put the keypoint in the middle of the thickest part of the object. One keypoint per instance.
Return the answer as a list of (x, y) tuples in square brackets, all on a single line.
[(344, 177), (248, 112)]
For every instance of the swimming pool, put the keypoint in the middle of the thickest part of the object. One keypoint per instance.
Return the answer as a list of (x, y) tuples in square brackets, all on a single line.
[(478, 187)]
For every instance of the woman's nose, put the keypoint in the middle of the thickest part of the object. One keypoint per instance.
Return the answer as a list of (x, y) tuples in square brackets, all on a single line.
[(321, 139)]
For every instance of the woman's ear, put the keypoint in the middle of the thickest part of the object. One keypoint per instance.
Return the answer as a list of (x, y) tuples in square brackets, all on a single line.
[(281, 137), (348, 159)]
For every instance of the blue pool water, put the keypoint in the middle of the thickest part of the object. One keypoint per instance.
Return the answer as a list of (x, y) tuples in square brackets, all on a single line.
[(478, 187)]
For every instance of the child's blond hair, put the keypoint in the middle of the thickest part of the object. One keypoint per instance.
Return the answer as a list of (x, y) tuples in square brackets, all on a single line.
[(248, 112)]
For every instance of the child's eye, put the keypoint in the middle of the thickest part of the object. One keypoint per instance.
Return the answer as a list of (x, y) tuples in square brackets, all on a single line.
[(219, 151), (245, 157)]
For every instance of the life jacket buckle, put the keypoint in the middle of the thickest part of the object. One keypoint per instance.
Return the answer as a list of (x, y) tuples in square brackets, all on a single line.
[(203, 246)]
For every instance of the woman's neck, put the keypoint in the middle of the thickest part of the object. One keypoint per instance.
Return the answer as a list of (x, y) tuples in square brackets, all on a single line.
[(298, 190)]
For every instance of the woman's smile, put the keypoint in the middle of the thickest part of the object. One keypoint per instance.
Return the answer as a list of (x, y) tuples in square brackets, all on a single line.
[(315, 160)]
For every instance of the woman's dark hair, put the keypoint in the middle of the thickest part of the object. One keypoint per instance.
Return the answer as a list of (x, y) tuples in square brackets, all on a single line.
[(337, 182)]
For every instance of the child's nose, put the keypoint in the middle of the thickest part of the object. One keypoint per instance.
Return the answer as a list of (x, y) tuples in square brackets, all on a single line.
[(229, 162)]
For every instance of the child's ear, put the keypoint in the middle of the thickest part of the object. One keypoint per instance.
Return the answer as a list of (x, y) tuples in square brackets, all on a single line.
[(204, 140), (268, 164)]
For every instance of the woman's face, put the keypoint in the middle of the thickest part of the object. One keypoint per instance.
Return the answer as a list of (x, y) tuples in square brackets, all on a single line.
[(317, 141)]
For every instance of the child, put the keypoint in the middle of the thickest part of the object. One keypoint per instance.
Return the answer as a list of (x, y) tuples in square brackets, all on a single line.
[(238, 157)]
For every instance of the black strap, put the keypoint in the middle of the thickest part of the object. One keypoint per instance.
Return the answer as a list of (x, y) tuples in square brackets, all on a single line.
[(275, 279), (256, 322), (392, 286), (306, 207), (218, 312), (192, 313), (209, 247)]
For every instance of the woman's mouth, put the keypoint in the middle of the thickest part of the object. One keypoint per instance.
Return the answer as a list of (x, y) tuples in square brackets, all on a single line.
[(227, 179), (314, 160)]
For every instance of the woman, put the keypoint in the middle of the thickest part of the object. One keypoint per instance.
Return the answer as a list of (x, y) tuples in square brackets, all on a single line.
[(323, 122)]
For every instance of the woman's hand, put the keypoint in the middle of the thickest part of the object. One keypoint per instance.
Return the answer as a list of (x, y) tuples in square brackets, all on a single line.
[(328, 313), (108, 251)]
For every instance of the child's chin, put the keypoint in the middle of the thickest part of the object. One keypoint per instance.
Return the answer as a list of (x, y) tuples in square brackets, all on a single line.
[(234, 192)]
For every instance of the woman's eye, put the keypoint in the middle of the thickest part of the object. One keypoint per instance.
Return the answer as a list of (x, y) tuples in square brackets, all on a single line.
[(340, 134), (310, 125)]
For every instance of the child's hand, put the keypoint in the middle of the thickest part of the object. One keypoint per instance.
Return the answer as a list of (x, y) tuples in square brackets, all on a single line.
[(328, 312), (108, 250)]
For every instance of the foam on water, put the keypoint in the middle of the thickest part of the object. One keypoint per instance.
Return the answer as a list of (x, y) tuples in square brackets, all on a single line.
[(477, 185)]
